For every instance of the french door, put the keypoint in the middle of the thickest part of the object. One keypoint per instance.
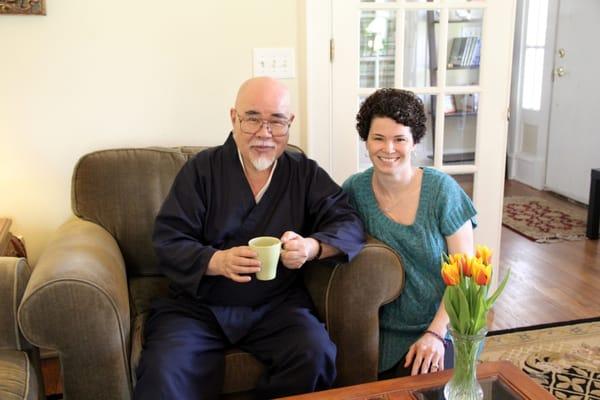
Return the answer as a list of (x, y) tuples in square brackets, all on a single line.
[(456, 55)]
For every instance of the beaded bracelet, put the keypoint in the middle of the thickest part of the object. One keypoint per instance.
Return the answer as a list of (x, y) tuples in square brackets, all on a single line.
[(441, 339)]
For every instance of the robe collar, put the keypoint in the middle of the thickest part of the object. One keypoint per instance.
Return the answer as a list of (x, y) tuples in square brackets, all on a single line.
[(262, 191), (276, 177)]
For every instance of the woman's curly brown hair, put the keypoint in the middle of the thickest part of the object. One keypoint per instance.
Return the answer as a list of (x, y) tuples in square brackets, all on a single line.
[(402, 106)]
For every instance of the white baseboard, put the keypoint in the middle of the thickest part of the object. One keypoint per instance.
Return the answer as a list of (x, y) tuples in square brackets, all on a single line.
[(528, 170)]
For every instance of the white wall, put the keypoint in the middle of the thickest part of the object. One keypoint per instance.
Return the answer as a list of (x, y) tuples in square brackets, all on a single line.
[(102, 74)]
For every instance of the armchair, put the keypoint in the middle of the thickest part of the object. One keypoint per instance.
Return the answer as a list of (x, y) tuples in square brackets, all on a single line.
[(89, 292)]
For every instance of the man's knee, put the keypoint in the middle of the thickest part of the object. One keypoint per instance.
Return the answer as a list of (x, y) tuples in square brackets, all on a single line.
[(317, 354), (319, 348)]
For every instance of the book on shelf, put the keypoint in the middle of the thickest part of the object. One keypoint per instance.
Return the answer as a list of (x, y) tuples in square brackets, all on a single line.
[(476, 52), (464, 52)]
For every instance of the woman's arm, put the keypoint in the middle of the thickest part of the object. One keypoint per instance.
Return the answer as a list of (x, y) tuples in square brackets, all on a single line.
[(427, 353)]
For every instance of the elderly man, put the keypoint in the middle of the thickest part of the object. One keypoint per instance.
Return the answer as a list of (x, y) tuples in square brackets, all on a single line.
[(221, 199)]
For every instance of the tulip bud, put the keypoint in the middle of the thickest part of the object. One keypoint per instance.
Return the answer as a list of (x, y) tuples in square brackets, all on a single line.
[(481, 273), (484, 254), (450, 274), (463, 262)]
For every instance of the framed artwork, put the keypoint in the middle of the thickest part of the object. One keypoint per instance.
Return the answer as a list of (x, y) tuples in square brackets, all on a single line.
[(23, 7)]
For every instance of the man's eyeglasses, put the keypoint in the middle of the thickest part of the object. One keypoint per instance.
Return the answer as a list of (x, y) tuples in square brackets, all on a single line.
[(276, 127)]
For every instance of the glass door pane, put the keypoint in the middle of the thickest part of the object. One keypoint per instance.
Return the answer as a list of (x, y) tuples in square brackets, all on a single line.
[(377, 48), (419, 52), (424, 150), (460, 126), (464, 46)]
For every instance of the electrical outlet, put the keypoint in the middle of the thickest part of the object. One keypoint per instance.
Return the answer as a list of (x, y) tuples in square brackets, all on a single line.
[(274, 62)]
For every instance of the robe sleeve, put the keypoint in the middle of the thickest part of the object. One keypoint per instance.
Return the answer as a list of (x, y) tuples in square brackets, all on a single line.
[(182, 256), (334, 221)]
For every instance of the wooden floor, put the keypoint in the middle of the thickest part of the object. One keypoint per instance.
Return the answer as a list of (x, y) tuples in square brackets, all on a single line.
[(549, 282)]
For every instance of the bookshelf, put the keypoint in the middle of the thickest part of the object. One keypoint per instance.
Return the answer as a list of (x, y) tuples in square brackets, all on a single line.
[(462, 69)]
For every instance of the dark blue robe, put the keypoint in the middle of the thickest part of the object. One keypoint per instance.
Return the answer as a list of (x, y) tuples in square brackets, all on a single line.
[(210, 207)]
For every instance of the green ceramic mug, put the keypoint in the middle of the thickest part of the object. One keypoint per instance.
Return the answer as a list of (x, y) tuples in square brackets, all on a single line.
[(268, 249)]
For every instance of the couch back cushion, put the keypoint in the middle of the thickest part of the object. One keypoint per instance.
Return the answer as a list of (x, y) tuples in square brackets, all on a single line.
[(122, 191)]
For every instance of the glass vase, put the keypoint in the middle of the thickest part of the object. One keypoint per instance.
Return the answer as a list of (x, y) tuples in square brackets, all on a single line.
[(464, 385)]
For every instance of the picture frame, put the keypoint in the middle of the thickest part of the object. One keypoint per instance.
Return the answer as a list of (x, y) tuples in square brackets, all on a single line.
[(22, 7)]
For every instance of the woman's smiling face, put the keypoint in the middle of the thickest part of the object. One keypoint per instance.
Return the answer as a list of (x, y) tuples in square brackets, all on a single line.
[(389, 145)]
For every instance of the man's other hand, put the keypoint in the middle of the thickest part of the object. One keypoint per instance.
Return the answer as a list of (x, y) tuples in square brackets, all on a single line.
[(296, 250)]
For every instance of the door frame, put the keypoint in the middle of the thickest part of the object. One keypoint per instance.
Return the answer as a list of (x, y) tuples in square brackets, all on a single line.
[(318, 118)]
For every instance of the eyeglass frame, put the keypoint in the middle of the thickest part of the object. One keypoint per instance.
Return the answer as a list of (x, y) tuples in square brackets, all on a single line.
[(262, 124)]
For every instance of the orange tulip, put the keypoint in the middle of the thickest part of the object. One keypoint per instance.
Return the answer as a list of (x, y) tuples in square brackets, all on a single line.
[(482, 273), (450, 274), (484, 254), (463, 262)]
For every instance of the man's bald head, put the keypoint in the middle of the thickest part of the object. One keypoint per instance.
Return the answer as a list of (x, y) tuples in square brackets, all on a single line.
[(264, 89)]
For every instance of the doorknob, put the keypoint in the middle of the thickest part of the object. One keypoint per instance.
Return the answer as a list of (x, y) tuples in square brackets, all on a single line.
[(560, 71)]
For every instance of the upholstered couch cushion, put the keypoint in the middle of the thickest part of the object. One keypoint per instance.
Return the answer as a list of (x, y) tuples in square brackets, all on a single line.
[(17, 376)]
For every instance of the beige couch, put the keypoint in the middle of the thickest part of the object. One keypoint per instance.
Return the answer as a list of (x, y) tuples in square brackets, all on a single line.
[(89, 292)]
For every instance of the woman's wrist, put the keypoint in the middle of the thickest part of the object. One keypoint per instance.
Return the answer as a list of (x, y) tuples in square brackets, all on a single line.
[(435, 335)]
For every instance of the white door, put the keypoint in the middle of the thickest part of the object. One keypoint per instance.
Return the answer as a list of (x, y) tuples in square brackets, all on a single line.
[(398, 43), (532, 91), (574, 139)]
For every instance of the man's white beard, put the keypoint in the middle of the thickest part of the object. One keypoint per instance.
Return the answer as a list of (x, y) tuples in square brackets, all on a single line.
[(262, 163)]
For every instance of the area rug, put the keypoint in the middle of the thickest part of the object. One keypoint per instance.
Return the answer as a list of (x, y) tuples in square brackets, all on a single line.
[(543, 222), (564, 359)]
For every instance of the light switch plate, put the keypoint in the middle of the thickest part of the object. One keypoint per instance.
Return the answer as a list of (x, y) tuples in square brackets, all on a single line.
[(274, 62)]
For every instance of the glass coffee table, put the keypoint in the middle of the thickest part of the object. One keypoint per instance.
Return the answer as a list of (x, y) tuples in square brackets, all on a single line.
[(500, 380), (493, 389)]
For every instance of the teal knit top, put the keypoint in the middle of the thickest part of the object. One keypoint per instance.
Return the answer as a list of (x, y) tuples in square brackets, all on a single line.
[(443, 208)]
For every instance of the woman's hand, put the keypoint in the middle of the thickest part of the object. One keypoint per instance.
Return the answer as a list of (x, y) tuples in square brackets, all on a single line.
[(426, 355)]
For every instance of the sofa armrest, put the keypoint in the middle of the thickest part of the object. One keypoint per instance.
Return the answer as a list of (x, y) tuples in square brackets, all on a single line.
[(77, 303), (348, 297), (14, 275)]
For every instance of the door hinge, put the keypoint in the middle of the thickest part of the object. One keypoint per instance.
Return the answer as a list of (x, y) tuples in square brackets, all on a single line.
[(331, 50), (508, 114)]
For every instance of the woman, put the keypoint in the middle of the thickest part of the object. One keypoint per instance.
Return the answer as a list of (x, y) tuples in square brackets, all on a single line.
[(419, 212)]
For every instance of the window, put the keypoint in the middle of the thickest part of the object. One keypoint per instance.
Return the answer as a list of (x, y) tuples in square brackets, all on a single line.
[(535, 42)]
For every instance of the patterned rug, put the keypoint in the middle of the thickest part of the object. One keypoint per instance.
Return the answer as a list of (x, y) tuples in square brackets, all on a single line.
[(542, 221), (564, 359)]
